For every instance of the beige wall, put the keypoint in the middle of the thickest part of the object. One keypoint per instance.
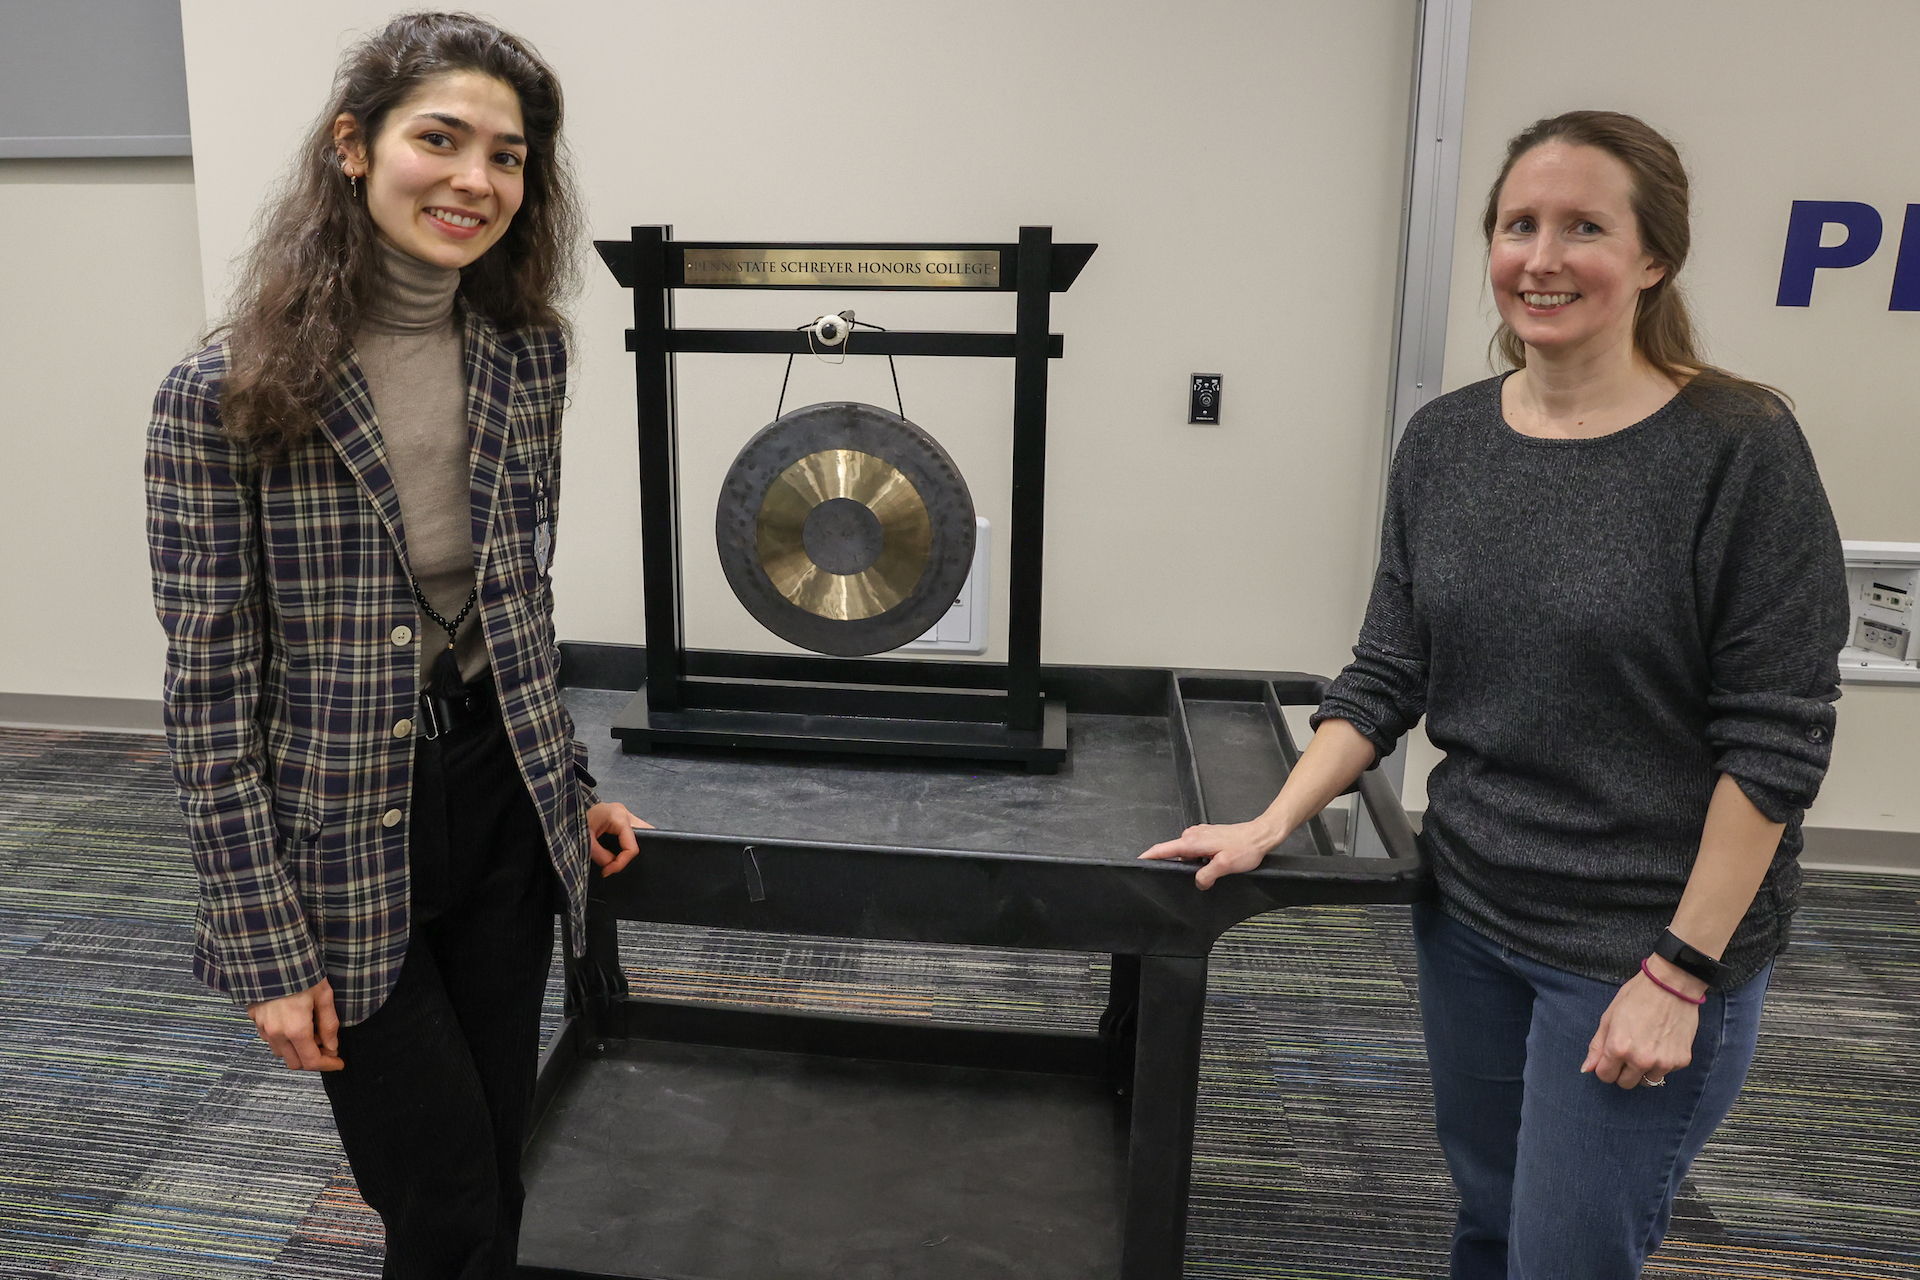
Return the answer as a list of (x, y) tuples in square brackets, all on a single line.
[(1769, 101), (1278, 160), (1239, 164), (102, 272)]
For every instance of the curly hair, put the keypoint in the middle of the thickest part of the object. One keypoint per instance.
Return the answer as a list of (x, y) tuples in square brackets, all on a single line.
[(314, 263)]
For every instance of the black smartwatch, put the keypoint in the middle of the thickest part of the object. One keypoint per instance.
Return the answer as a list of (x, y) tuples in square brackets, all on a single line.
[(1681, 956)]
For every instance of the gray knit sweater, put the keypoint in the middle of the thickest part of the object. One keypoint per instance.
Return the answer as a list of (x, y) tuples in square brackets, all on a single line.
[(1596, 630)]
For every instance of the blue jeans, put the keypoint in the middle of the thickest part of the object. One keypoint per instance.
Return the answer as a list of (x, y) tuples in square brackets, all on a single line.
[(1561, 1176)]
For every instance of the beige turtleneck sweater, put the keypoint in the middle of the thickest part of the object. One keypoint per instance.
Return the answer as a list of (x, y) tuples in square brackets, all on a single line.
[(408, 346)]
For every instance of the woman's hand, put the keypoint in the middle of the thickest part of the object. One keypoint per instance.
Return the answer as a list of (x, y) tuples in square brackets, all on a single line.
[(608, 818), (1338, 754), (1646, 1032), (302, 1028), (1228, 849)]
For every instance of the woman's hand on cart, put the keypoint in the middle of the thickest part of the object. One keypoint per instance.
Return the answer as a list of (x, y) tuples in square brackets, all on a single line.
[(302, 1028), (1337, 756), (1225, 848), (610, 819)]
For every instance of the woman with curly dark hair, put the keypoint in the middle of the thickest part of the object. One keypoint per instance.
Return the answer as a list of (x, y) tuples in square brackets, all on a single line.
[(1611, 582), (352, 494)]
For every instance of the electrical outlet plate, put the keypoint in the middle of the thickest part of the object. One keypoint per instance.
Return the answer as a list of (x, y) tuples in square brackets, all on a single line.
[(1879, 637), (1879, 593), (963, 628), (1883, 580)]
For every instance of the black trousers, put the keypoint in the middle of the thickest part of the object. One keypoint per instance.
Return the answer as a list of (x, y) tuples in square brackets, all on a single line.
[(433, 1102)]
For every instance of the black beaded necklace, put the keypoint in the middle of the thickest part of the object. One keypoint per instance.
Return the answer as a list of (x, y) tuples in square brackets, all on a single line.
[(445, 681)]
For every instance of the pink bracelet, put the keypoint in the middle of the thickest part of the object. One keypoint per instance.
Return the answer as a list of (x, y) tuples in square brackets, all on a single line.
[(1672, 991)]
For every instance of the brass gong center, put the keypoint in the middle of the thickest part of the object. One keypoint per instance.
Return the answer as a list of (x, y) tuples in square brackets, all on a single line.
[(830, 559)]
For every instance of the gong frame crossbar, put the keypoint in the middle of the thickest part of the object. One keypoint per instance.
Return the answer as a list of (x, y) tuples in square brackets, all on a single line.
[(901, 706)]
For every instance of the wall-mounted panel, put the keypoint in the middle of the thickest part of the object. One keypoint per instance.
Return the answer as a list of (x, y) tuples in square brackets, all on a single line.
[(92, 78)]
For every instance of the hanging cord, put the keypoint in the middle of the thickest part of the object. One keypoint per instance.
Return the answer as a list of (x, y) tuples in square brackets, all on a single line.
[(848, 343), (783, 381)]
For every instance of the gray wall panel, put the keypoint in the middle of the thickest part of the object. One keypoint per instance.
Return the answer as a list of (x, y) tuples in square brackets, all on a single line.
[(92, 78)]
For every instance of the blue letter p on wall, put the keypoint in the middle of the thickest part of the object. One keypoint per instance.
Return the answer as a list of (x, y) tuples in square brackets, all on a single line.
[(1906, 268), (1805, 255)]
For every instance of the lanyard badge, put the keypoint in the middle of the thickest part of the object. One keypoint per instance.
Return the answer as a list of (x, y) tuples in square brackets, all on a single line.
[(542, 530)]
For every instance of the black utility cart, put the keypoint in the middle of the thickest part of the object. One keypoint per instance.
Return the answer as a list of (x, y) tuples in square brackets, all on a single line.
[(959, 804), (682, 1141)]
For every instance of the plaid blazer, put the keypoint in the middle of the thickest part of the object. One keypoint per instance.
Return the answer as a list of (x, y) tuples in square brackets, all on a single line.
[(282, 589)]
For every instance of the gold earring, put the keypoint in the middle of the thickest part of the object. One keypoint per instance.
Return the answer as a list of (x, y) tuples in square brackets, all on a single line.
[(355, 180)]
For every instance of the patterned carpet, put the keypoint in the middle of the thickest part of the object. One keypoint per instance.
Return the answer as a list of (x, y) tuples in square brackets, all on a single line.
[(144, 1132)]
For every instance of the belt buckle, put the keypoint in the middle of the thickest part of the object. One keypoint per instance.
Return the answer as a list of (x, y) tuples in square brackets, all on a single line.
[(431, 718)]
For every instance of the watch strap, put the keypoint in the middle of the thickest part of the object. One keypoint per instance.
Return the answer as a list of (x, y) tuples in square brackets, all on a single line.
[(1689, 959)]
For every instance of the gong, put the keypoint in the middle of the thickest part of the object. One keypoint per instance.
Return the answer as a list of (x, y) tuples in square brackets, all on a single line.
[(845, 529)]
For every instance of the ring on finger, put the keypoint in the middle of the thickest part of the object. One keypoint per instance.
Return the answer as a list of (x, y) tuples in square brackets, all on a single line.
[(1651, 1083)]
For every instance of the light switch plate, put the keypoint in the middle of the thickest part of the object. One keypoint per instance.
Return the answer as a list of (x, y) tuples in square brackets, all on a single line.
[(1203, 399)]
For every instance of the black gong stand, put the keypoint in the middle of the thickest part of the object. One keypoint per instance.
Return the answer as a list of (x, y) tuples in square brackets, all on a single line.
[(891, 706)]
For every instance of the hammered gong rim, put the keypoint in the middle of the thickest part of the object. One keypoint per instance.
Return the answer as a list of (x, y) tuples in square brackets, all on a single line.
[(881, 611)]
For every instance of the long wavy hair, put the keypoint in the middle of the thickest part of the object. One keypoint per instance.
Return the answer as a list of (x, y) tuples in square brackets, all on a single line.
[(1663, 332), (314, 261)]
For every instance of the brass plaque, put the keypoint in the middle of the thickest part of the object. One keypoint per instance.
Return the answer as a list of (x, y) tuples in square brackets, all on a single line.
[(844, 268)]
